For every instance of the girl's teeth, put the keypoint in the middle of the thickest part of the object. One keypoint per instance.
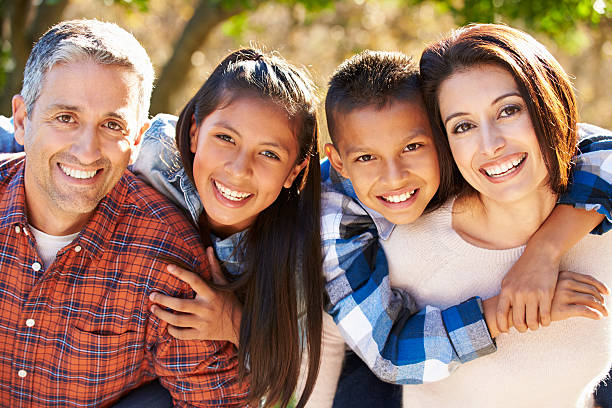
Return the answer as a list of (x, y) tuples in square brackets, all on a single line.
[(231, 194), (78, 174)]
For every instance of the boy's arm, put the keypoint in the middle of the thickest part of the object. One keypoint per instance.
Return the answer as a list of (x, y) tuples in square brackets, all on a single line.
[(376, 321), (7, 136), (529, 285)]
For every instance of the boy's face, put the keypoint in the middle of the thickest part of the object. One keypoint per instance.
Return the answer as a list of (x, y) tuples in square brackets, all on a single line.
[(390, 157)]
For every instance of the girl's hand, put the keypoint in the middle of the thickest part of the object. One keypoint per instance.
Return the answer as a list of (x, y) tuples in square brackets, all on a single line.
[(578, 295), (527, 289), (211, 315)]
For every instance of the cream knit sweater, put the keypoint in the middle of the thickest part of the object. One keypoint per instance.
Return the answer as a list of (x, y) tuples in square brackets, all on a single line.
[(556, 366)]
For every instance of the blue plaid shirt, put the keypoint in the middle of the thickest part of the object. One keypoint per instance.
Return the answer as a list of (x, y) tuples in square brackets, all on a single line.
[(380, 323)]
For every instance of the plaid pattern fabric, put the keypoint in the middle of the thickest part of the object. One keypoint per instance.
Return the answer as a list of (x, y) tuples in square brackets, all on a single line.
[(81, 333), (591, 187), (381, 323)]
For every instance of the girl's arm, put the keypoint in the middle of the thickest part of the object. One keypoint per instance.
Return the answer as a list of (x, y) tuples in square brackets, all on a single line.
[(528, 286)]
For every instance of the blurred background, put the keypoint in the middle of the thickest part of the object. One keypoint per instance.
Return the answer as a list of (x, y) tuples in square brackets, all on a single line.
[(187, 38)]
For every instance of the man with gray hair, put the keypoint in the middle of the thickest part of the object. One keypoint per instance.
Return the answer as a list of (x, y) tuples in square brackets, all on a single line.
[(84, 242)]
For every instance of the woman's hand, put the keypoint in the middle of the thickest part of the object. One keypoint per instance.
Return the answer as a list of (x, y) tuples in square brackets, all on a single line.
[(211, 315), (578, 295)]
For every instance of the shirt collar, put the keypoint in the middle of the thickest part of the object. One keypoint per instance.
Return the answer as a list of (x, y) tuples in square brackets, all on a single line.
[(343, 185), (12, 204), (227, 253)]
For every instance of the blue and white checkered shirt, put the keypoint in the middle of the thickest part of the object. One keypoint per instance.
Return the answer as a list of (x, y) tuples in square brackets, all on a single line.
[(380, 323)]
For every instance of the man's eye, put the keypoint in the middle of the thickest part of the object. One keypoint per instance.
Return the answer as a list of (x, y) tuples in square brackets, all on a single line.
[(112, 125), (462, 127), (270, 154), (412, 147), (65, 118), (365, 158)]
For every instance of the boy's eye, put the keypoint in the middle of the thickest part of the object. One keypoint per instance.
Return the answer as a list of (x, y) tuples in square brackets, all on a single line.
[(509, 111), (462, 127), (225, 138), (65, 118), (412, 147), (270, 154), (365, 158)]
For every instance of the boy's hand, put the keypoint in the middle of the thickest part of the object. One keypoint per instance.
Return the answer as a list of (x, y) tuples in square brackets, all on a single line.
[(528, 288), (211, 315), (578, 295)]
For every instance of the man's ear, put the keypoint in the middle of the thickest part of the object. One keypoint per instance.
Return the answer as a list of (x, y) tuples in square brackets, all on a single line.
[(335, 160), (136, 145), (20, 118)]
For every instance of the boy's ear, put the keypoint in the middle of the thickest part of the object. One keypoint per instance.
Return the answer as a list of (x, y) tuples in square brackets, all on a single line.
[(137, 140), (20, 117), (193, 135), (335, 160)]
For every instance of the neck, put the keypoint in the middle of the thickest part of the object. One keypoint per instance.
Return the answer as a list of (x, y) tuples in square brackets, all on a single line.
[(491, 224)]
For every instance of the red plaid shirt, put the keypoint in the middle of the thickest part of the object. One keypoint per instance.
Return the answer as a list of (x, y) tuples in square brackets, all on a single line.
[(80, 333)]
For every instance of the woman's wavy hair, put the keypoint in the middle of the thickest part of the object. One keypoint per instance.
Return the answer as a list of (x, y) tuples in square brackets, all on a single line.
[(543, 84), (281, 286)]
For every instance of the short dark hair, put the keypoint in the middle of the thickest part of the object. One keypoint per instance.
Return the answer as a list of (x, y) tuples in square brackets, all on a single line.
[(543, 84), (370, 79)]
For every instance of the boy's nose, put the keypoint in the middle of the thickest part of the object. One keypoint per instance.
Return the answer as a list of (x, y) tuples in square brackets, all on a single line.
[(395, 173)]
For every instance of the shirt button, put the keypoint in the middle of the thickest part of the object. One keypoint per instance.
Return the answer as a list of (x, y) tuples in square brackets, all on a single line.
[(77, 248), (18, 229), (30, 322), (36, 266), (22, 373)]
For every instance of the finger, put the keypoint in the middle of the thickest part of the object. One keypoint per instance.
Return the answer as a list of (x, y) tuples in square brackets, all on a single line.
[(192, 279), (181, 333), (589, 301), (176, 304), (583, 311), (589, 280), (531, 315), (179, 320), (503, 307), (215, 268), (545, 304), (580, 287), (518, 316)]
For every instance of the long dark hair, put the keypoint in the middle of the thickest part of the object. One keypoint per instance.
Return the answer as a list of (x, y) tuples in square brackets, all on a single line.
[(281, 251), (542, 83)]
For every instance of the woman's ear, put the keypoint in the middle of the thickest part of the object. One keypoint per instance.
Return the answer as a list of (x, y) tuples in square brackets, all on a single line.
[(193, 135), (295, 171)]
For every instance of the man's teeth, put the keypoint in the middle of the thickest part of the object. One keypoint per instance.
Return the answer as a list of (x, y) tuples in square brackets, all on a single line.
[(504, 168), (398, 198), (231, 194), (78, 174)]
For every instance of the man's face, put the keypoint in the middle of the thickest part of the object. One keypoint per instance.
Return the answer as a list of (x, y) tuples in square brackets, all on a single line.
[(390, 157), (78, 140)]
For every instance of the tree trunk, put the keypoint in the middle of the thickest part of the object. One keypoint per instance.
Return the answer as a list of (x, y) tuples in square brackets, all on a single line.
[(206, 17)]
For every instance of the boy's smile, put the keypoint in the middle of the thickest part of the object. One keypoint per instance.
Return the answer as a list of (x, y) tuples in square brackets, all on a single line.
[(390, 158)]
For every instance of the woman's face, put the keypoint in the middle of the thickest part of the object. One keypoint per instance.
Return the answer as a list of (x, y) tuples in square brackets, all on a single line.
[(245, 153), (490, 133)]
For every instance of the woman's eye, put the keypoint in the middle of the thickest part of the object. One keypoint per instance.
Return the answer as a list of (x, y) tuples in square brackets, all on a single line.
[(412, 147), (65, 118), (225, 138), (509, 111), (462, 127), (270, 154), (365, 158)]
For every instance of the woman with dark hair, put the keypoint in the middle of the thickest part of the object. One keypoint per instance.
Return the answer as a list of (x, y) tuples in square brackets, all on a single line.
[(245, 168), (503, 109)]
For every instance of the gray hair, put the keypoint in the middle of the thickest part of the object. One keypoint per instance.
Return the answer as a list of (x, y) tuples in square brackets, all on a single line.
[(104, 43)]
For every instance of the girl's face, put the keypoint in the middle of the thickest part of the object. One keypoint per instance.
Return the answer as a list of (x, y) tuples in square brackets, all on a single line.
[(490, 133), (245, 152)]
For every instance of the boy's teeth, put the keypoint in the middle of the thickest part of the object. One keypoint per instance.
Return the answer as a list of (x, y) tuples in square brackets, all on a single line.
[(398, 198), (503, 168), (78, 174), (231, 194)]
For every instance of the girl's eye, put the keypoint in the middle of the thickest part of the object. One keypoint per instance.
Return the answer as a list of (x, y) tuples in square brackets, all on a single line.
[(365, 158), (462, 127), (64, 118), (225, 138), (509, 111), (270, 154), (412, 147)]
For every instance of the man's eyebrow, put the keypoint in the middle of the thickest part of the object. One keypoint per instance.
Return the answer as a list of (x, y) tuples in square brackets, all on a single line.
[(61, 106)]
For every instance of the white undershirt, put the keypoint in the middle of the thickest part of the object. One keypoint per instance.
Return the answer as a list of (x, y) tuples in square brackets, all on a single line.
[(48, 245)]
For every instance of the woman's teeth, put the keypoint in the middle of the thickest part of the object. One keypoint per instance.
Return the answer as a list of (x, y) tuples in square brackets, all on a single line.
[(231, 194), (398, 198), (78, 174), (504, 168)]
